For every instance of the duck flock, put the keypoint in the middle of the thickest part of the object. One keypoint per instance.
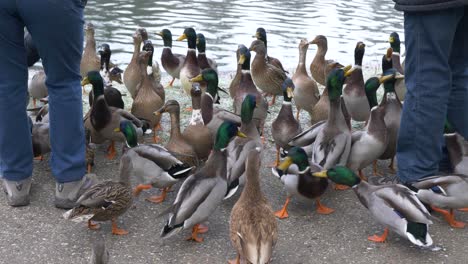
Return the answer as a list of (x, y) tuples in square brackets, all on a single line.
[(219, 152)]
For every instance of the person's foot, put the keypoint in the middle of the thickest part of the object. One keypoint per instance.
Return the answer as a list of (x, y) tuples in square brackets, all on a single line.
[(17, 192), (67, 193)]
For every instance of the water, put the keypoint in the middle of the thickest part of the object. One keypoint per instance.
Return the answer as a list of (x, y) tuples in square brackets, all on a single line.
[(226, 24)]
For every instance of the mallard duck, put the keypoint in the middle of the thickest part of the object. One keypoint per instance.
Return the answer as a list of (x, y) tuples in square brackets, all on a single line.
[(196, 133), (368, 144), (202, 192), (212, 116), (387, 60), (90, 151), (239, 148), (178, 144), (306, 93), (40, 139), (112, 95), (253, 227), (285, 127), (132, 74), (148, 97), (102, 119), (190, 68), (260, 34), (155, 71), (234, 85), (395, 206), (400, 87), (300, 182), (99, 253), (89, 61), (171, 62), (152, 164), (105, 201), (457, 153), (393, 109), (265, 75), (332, 139), (354, 94), (37, 88), (245, 86), (203, 61), (318, 67)]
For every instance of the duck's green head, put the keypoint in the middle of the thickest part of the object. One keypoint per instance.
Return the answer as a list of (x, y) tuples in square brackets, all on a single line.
[(227, 131), (288, 89), (297, 156), (243, 57), (359, 53), (335, 81), (248, 107), (166, 35), (388, 79), (260, 34), (395, 41), (191, 36), (340, 175), (129, 131), (94, 78), (148, 46), (201, 42), (211, 78), (371, 86), (448, 128)]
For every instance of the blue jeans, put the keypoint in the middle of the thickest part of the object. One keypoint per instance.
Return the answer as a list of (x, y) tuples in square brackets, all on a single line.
[(436, 77), (57, 30)]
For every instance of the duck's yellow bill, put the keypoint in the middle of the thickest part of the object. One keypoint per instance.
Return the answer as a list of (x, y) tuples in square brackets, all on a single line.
[(320, 174), (159, 33), (385, 78), (198, 78), (284, 165), (241, 59), (290, 92), (182, 37), (348, 70), (85, 81), (391, 39), (240, 134), (117, 129)]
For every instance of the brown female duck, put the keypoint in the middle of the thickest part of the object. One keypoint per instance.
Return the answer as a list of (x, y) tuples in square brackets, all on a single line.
[(265, 75), (90, 60), (260, 34), (306, 93), (318, 67), (132, 74)]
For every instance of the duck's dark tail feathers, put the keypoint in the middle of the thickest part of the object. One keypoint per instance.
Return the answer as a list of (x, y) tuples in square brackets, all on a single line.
[(169, 231), (418, 234)]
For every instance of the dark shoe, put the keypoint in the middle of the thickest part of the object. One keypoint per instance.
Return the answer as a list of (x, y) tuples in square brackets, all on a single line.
[(67, 193), (385, 180), (17, 192)]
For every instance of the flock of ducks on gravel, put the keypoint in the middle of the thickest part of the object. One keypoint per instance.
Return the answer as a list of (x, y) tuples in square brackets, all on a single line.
[(220, 151)]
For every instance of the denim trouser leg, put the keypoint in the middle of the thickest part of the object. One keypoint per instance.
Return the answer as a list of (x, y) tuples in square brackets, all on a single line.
[(429, 39), (15, 137), (57, 30)]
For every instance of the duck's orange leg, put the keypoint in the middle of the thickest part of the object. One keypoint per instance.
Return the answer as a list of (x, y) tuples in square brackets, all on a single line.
[(171, 82), (376, 172), (463, 209), (159, 198), (89, 168), (198, 229), (379, 239), (93, 226), (449, 216), (341, 187), (273, 100), (111, 152), (297, 114), (392, 166), (116, 230), (283, 213), (276, 163), (362, 176), (321, 209), (140, 188), (155, 136), (235, 261)]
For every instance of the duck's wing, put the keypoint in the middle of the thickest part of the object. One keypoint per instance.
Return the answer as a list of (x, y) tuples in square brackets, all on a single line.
[(307, 136), (405, 202), (330, 152), (126, 115), (430, 182), (99, 195)]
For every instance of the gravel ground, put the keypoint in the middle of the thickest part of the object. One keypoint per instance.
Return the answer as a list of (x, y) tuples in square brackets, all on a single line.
[(38, 233)]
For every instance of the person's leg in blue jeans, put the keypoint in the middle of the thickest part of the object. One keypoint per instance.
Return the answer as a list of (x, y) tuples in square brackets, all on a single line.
[(57, 30), (429, 40)]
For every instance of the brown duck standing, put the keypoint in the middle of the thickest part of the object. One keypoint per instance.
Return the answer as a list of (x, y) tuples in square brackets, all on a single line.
[(318, 67)]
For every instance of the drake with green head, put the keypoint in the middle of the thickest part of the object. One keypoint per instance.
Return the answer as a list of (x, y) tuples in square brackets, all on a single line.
[(152, 165), (154, 71), (203, 61), (171, 62), (299, 180), (105, 201), (393, 108), (202, 192), (266, 76), (239, 148), (354, 94), (190, 68), (102, 119), (395, 43), (395, 206), (285, 127), (261, 35)]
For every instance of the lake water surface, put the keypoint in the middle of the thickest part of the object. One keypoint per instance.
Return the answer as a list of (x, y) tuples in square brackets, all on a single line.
[(226, 24)]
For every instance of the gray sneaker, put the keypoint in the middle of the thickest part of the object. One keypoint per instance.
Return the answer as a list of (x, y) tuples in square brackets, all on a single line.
[(17, 192), (67, 193)]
